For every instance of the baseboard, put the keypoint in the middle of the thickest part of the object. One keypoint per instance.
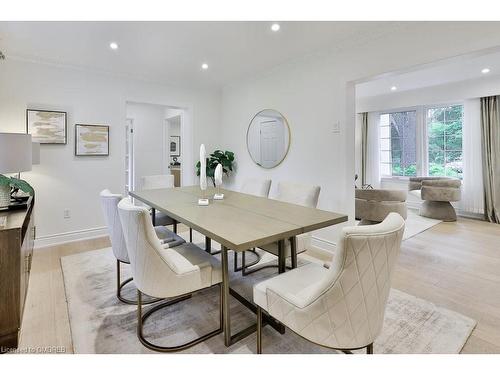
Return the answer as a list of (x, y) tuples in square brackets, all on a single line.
[(325, 247), (77, 235)]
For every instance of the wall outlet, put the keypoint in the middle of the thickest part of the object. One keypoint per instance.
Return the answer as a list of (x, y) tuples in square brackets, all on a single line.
[(67, 214)]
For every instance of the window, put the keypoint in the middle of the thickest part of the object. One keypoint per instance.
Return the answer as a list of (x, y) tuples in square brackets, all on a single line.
[(398, 146), (424, 141), (444, 135)]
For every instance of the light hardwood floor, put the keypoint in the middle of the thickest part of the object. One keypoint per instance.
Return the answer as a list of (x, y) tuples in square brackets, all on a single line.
[(454, 265)]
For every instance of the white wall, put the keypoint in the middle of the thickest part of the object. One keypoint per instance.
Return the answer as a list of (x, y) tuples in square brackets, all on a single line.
[(314, 93), (64, 181)]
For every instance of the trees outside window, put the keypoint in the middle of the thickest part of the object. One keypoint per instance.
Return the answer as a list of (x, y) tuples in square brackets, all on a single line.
[(444, 135), (439, 139), (398, 143)]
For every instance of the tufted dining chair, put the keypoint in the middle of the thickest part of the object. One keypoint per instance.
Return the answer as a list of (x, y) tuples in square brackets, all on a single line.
[(109, 204), (162, 272), (341, 307), (302, 195)]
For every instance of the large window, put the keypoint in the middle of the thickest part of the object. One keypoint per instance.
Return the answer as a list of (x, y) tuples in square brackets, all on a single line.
[(444, 135), (423, 141), (398, 134)]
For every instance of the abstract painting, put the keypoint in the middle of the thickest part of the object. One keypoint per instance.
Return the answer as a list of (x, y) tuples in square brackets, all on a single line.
[(46, 127), (91, 140)]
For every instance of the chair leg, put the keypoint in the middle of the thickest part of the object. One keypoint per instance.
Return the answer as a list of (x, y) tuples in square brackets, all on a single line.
[(259, 330), (244, 266), (120, 285), (141, 319), (369, 349), (175, 226), (190, 234)]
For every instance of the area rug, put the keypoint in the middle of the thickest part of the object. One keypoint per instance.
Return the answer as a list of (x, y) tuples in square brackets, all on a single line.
[(416, 224), (101, 324)]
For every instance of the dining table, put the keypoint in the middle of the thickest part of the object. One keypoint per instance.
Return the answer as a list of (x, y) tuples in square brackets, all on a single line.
[(239, 222)]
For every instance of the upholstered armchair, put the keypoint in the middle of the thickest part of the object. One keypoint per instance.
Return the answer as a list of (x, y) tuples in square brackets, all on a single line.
[(109, 204), (373, 205), (437, 193), (161, 272), (302, 195), (341, 307)]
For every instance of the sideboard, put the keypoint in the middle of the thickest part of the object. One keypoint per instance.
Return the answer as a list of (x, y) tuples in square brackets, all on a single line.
[(17, 236)]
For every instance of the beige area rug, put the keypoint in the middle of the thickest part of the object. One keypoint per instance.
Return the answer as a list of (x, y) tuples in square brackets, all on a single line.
[(101, 324), (416, 224)]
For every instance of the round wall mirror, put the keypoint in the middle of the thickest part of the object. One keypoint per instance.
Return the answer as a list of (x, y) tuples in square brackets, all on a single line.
[(268, 138)]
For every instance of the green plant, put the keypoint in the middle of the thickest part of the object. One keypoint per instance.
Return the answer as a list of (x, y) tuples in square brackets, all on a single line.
[(16, 184), (226, 158)]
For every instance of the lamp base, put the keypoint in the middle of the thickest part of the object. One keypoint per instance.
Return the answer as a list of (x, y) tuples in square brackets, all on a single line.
[(219, 197), (203, 202)]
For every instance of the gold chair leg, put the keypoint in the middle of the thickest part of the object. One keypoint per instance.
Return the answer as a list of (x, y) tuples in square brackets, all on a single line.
[(166, 349), (259, 330), (369, 349), (120, 285)]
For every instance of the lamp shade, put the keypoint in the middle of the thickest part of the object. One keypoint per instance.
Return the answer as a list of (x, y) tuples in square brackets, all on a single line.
[(35, 153), (15, 152)]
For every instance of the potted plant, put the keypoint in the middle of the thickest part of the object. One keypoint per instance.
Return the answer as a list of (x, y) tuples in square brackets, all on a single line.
[(9, 186), (225, 158)]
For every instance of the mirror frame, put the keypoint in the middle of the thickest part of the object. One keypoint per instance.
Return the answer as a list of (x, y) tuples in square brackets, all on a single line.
[(289, 137)]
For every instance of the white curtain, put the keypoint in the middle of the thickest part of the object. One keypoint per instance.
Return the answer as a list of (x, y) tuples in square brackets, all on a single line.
[(373, 150), (472, 190)]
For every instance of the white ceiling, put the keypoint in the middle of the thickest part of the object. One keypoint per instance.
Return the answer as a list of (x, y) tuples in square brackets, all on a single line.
[(438, 74), (172, 52)]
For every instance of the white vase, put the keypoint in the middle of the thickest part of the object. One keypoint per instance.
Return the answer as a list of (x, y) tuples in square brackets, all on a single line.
[(4, 195)]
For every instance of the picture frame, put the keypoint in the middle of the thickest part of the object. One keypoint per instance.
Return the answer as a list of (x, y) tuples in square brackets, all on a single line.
[(91, 140), (47, 127), (175, 145)]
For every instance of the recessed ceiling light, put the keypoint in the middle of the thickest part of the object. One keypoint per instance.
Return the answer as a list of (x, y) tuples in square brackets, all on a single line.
[(394, 88), (113, 45), (485, 70), (204, 66), (275, 26)]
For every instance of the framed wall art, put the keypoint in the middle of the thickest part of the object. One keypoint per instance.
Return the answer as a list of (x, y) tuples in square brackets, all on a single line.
[(47, 127), (91, 140)]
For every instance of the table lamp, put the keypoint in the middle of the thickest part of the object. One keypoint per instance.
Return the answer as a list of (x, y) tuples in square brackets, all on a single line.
[(35, 153), (16, 154)]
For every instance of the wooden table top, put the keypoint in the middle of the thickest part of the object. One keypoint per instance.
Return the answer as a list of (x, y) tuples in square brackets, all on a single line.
[(239, 221)]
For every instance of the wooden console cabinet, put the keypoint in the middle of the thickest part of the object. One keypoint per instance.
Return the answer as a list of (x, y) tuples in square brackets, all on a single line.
[(17, 238)]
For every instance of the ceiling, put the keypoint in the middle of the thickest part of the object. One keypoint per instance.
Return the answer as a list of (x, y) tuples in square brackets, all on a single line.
[(172, 52), (438, 74)]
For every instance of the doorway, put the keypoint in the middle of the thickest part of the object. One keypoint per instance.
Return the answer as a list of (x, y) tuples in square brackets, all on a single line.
[(172, 145), (157, 143)]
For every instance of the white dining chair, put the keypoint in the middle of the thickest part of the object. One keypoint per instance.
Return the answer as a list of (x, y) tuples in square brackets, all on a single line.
[(256, 186), (299, 194), (341, 307), (109, 204), (161, 272), (259, 188)]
